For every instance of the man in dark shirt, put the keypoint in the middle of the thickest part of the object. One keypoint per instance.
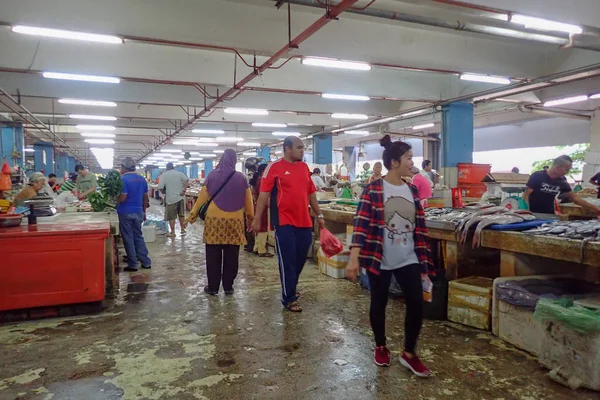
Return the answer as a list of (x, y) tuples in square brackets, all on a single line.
[(544, 186), (595, 180)]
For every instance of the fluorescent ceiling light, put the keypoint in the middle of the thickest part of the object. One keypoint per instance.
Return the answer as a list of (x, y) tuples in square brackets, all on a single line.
[(545, 25), (62, 34), (184, 142), (249, 153), (227, 139), (345, 97), (269, 125), (309, 136), (206, 155), (29, 150), (104, 156), (98, 135), (485, 78), (249, 144), (360, 133), (423, 126), (328, 63), (176, 156), (210, 131), (286, 134), (410, 114), (349, 116), (595, 96), (201, 144), (79, 77), (95, 127), (169, 152), (94, 117), (97, 103), (218, 151), (99, 141), (566, 100), (246, 111)]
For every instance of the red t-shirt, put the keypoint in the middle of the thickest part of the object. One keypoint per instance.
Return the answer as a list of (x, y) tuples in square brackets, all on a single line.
[(290, 186)]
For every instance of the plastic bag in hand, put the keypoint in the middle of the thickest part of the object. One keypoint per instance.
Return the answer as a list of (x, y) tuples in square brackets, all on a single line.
[(330, 244)]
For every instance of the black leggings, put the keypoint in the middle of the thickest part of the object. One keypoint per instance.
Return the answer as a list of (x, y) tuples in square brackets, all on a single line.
[(222, 262), (409, 279)]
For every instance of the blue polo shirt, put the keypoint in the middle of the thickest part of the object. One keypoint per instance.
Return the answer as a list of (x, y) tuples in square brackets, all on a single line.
[(134, 186)]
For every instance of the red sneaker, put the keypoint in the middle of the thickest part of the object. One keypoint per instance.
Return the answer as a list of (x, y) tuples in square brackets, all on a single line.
[(382, 356), (415, 365)]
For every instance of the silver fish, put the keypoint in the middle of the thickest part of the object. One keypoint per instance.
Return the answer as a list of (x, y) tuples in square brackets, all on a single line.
[(505, 219)]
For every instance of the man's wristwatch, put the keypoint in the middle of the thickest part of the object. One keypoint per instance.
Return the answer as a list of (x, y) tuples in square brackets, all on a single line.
[(320, 216)]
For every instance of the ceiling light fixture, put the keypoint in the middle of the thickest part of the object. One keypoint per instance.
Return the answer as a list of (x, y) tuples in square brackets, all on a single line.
[(98, 135), (268, 125), (249, 144), (29, 150), (349, 116), (345, 97), (96, 103), (249, 153), (80, 77), (169, 151), (329, 63), (595, 96), (63, 34), (410, 114), (246, 111), (95, 127), (99, 141), (545, 25), (423, 126), (184, 142), (201, 144), (93, 117), (209, 131), (285, 134), (485, 78), (218, 151), (229, 139), (359, 133), (206, 155), (566, 100)]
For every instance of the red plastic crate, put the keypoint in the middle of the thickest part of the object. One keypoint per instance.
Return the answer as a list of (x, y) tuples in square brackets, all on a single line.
[(472, 173), (472, 191)]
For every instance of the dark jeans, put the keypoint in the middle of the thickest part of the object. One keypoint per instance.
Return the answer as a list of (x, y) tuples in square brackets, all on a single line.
[(222, 263), (130, 227), (409, 279), (292, 249)]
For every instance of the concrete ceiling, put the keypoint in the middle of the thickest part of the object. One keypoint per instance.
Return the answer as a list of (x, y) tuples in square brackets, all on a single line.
[(179, 56)]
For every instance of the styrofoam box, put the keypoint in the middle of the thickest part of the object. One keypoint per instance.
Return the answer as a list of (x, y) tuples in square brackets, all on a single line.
[(516, 325), (335, 266), (576, 354)]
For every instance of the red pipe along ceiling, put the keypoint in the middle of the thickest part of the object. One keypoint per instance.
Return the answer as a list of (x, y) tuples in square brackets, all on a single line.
[(332, 14)]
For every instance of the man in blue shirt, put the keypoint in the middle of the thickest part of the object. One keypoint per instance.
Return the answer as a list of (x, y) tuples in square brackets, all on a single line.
[(133, 202)]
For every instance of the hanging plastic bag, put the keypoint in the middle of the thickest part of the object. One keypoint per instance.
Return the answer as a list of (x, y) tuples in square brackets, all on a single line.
[(330, 244), (427, 288), (5, 181)]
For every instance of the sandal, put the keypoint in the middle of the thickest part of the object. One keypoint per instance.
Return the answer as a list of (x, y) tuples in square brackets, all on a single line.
[(298, 295), (294, 306)]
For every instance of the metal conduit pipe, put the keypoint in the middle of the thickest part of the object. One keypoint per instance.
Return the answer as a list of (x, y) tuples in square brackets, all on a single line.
[(553, 113), (493, 28)]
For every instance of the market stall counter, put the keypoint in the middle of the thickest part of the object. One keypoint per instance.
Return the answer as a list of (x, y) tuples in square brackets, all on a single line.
[(52, 264)]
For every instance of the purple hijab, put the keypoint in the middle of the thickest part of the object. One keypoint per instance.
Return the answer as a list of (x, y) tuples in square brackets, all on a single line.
[(233, 196)]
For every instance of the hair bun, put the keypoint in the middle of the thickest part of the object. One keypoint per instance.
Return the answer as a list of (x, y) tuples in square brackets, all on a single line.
[(386, 141)]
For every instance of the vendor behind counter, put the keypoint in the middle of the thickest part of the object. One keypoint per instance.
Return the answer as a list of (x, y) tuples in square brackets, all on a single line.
[(37, 181)]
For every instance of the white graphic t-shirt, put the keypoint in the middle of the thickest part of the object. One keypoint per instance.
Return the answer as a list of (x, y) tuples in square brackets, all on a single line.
[(399, 214)]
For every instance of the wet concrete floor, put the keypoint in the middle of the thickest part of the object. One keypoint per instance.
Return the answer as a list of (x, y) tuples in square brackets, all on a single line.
[(166, 339)]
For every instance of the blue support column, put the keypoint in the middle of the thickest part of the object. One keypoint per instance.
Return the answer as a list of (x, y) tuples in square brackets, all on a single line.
[(70, 165), (264, 152), (154, 173), (193, 171), (62, 164), (457, 134), (323, 149), (208, 167), (12, 140), (44, 157)]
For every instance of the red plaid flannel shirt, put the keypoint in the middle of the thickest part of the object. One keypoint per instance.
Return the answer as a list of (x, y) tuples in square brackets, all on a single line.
[(369, 223)]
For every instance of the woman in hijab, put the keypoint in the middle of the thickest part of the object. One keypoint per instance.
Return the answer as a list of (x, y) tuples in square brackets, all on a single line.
[(224, 222)]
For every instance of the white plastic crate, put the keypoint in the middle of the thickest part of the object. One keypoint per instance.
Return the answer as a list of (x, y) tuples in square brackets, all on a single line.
[(335, 266)]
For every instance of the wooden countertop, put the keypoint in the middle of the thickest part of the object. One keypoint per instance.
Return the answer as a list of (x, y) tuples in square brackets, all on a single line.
[(41, 230)]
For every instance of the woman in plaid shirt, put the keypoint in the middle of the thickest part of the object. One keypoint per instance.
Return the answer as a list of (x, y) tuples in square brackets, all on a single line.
[(390, 239)]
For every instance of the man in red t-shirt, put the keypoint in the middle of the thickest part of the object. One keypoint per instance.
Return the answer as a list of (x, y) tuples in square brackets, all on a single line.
[(287, 182)]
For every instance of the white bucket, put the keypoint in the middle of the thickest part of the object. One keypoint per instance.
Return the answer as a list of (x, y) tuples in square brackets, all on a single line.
[(149, 233)]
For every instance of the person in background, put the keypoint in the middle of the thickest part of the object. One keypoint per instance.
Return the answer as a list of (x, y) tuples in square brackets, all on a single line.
[(37, 181), (224, 231), (377, 170), (53, 182), (595, 180), (262, 236), (390, 238), (86, 182), (317, 180), (132, 204), (428, 173), (69, 185), (288, 184), (174, 183), (543, 187), (423, 186), (515, 170)]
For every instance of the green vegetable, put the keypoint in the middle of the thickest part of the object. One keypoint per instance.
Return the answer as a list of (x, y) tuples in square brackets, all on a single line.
[(97, 201), (111, 186)]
